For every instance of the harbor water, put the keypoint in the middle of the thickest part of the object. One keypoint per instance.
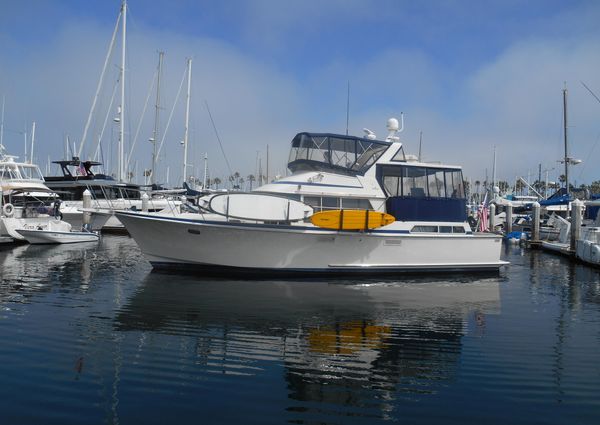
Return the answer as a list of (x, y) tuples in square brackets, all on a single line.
[(89, 334)]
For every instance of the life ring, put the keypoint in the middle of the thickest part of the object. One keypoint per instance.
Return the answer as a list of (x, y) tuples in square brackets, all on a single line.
[(8, 210)]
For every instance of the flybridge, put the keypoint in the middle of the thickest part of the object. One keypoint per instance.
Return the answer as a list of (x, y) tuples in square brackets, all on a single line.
[(334, 153)]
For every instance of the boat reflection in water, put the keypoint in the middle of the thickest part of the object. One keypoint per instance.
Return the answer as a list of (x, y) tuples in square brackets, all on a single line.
[(343, 344)]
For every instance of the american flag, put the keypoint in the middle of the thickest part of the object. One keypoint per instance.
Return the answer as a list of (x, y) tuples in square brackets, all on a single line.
[(80, 170), (483, 218), (483, 215)]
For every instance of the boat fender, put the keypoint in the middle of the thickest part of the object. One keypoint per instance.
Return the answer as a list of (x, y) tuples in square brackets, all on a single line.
[(8, 210)]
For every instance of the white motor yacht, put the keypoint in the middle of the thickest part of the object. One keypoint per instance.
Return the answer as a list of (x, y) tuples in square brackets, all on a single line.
[(336, 173), (23, 196)]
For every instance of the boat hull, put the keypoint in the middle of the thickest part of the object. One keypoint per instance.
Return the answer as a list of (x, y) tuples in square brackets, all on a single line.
[(243, 248), (55, 237)]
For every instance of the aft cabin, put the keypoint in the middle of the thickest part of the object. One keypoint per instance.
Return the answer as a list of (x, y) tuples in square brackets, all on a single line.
[(423, 192)]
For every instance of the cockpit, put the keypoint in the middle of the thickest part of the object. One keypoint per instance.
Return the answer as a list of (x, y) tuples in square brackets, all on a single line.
[(334, 153)]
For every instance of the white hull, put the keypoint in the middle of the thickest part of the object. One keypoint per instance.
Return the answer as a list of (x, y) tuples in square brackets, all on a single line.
[(74, 217), (587, 249), (72, 211), (55, 237), (170, 242), (558, 247), (10, 225)]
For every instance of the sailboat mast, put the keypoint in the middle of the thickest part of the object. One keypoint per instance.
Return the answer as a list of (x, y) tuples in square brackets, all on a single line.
[(32, 143), (494, 170), (187, 119), (120, 161), (156, 118), (2, 126), (566, 144)]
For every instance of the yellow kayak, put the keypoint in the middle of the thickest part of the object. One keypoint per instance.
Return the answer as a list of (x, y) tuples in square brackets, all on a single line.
[(351, 219)]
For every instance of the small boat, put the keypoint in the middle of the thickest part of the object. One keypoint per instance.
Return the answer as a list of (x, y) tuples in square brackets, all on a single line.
[(24, 198), (57, 232)]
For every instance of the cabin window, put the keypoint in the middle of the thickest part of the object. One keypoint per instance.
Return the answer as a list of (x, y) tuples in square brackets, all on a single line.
[(356, 204), (424, 229), (329, 203), (436, 183), (368, 153), (445, 229), (392, 185), (454, 184), (414, 182), (343, 152), (325, 203), (421, 182), (322, 203), (458, 229)]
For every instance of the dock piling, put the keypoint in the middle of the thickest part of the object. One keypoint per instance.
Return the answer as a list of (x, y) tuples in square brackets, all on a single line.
[(576, 218), (535, 229)]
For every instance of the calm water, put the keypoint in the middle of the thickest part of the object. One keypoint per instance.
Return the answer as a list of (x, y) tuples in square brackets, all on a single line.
[(89, 335)]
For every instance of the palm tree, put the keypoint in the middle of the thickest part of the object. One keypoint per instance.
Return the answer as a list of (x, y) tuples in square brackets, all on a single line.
[(562, 178), (251, 179), (217, 182)]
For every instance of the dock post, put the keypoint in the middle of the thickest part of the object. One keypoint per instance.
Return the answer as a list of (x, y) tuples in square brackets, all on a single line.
[(576, 213), (509, 218), (87, 204), (145, 198), (535, 229), (492, 219)]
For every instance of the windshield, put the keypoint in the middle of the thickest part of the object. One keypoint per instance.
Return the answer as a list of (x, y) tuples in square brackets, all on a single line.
[(326, 152), (20, 172)]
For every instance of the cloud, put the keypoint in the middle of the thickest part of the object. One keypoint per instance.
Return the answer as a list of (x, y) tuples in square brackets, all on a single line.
[(281, 70)]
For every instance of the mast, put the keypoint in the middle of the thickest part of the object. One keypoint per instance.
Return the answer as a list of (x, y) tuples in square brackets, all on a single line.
[(2, 126), (565, 135), (187, 119), (205, 170), (156, 118), (348, 108), (267, 164), (494, 171), (32, 142), (121, 162), (99, 87)]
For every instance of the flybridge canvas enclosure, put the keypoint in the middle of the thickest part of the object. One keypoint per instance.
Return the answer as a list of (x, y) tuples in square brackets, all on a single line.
[(335, 153), (20, 171), (423, 193)]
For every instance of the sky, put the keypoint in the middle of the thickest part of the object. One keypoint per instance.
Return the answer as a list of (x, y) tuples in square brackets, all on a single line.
[(469, 75)]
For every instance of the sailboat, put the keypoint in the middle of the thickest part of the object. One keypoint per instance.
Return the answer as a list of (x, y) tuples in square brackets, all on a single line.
[(109, 194)]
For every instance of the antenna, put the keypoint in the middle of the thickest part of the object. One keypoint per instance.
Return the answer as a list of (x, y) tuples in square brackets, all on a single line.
[(348, 108), (420, 143), (369, 134)]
